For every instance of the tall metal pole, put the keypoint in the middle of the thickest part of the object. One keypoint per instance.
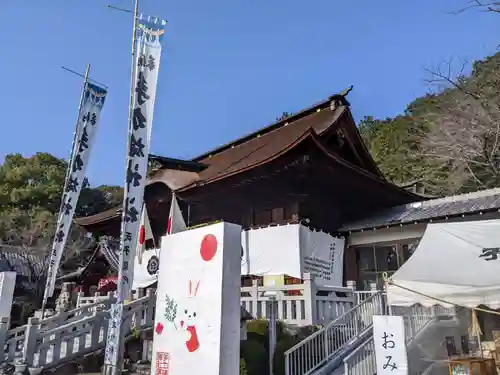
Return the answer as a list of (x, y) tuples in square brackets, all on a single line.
[(116, 368), (68, 170), (132, 69), (272, 333)]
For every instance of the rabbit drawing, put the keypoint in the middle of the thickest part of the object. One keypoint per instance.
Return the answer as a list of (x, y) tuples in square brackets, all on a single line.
[(188, 318)]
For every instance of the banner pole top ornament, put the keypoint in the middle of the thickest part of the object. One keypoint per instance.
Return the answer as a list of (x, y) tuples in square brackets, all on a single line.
[(140, 16), (87, 79), (150, 29)]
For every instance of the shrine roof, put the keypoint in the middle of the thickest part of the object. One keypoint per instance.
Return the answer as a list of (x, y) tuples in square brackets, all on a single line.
[(13, 258), (434, 209), (112, 213), (72, 276), (259, 147)]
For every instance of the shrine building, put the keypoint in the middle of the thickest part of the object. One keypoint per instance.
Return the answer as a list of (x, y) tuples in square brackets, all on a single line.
[(310, 168)]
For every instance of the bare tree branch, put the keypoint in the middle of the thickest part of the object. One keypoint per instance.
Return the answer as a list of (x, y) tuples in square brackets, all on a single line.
[(493, 6), (463, 137)]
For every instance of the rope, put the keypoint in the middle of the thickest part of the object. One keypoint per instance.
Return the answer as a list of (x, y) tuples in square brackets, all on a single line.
[(388, 281)]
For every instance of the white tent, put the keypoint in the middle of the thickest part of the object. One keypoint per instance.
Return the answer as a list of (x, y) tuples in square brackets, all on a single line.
[(455, 262)]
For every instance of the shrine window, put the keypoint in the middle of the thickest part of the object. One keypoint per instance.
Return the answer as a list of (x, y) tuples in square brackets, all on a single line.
[(277, 215), (263, 217), (291, 211), (407, 251), (374, 261)]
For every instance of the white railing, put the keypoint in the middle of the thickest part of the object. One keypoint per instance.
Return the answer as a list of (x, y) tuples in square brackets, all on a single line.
[(416, 318), (326, 343), (299, 304), (64, 337), (362, 360)]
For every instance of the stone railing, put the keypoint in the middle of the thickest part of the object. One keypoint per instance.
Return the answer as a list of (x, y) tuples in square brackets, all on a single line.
[(64, 337)]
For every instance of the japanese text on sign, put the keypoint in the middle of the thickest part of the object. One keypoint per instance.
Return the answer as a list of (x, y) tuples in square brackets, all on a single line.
[(390, 345)]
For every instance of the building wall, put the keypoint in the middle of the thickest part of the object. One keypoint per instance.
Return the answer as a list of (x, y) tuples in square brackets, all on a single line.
[(386, 235), (370, 253)]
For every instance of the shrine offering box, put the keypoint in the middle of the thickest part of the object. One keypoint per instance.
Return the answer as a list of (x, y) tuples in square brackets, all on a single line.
[(472, 366)]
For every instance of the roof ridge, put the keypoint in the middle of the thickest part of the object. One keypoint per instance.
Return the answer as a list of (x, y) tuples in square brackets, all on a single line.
[(274, 126), (278, 128), (455, 198)]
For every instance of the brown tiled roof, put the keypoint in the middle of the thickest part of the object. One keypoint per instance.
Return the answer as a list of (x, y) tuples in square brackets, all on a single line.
[(261, 148), (101, 216)]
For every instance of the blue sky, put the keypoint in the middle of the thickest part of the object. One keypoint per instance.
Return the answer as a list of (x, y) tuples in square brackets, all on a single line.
[(228, 67)]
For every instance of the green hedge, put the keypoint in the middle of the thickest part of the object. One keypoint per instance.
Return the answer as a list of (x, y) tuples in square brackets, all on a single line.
[(243, 367), (254, 351)]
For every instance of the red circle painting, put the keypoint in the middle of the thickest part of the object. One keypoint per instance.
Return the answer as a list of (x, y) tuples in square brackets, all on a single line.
[(208, 247)]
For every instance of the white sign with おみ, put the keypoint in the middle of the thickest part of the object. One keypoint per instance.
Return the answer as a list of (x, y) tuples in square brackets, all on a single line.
[(390, 345)]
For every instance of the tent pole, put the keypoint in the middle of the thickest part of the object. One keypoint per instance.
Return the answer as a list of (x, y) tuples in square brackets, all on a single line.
[(478, 336), (385, 299)]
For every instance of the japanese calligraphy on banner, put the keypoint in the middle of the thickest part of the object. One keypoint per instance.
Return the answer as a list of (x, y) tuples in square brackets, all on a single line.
[(149, 33), (146, 76), (88, 119), (111, 352), (390, 345)]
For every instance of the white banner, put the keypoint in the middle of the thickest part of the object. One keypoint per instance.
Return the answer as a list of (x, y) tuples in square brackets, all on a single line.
[(271, 251), (390, 345), (322, 256), (149, 33), (293, 250), (146, 70), (88, 119), (114, 328), (7, 286), (279, 250)]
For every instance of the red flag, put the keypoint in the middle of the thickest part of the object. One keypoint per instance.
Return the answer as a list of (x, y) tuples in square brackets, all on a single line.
[(145, 233), (142, 235), (175, 222)]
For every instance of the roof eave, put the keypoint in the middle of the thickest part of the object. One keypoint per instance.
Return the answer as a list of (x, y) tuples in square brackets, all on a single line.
[(414, 222), (306, 134), (178, 164), (364, 172), (365, 149)]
